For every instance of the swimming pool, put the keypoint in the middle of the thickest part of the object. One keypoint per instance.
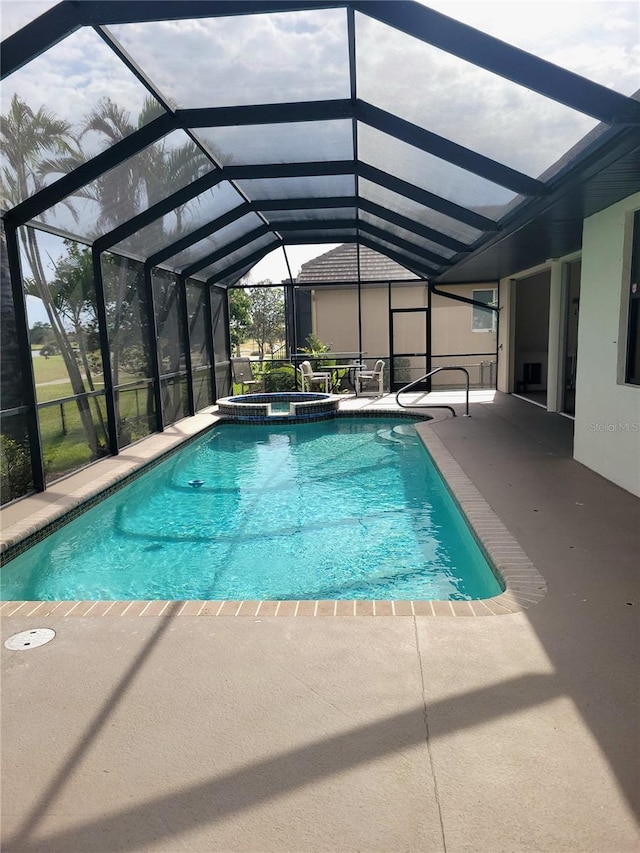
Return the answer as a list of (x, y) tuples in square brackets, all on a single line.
[(350, 508)]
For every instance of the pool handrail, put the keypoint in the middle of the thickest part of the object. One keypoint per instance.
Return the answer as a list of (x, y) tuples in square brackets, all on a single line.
[(435, 405)]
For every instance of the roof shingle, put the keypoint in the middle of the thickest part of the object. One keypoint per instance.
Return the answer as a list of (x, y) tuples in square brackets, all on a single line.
[(341, 264)]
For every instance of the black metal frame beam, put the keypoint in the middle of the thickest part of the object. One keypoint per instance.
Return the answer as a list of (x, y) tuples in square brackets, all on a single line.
[(249, 261), (445, 149), (317, 224), (156, 367), (265, 206), (303, 240), (60, 21), (413, 19), (216, 176), (468, 301), (296, 111), (500, 58), (435, 202), (603, 152), (410, 225), (30, 398), (133, 66), (424, 273), (200, 234), (400, 248), (105, 352), (209, 337), (184, 319), (91, 170), (39, 35), (353, 91), (158, 210), (415, 249), (219, 254)]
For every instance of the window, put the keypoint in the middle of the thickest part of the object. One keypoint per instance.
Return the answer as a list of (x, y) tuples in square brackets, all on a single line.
[(483, 319)]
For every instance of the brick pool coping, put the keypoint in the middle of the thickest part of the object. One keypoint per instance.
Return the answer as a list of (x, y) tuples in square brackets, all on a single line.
[(524, 586)]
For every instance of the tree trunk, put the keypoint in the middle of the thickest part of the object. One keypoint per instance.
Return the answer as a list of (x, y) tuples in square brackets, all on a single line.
[(75, 377)]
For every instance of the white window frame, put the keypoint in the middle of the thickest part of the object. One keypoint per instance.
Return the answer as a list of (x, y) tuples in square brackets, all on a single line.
[(475, 311)]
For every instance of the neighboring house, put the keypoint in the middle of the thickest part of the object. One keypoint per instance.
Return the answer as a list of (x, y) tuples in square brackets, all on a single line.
[(405, 325)]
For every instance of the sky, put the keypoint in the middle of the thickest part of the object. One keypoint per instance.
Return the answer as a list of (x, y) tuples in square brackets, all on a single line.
[(273, 267)]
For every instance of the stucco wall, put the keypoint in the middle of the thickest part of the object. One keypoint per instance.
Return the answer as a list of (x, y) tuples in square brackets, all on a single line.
[(335, 314), (451, 322), (607, 428)]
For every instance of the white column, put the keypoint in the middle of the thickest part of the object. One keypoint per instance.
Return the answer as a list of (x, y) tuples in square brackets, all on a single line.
[(556, 335), (506, 357)]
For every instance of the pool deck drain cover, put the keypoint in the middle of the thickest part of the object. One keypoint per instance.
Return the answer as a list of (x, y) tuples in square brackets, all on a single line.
[(29, 639)]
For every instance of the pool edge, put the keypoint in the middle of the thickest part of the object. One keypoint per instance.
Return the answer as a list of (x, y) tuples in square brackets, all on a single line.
[(524, 585)]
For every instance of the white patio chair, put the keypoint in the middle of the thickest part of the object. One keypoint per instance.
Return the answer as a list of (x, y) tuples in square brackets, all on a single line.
[(309, 376), (367, 378)]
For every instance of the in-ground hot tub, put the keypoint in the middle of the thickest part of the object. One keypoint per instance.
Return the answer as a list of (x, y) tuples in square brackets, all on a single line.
[(287, 404)]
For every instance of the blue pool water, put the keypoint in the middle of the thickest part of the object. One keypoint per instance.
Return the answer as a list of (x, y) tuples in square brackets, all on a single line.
[(347, 508)]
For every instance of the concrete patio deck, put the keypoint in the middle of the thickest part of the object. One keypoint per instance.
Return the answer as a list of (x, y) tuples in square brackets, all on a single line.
[(506, 733)]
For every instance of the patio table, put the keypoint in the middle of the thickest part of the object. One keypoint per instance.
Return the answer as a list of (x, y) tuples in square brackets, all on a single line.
[(334, 368)]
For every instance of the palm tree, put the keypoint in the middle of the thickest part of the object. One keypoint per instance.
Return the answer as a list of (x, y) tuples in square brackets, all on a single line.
[(135, 185), (37, 145)]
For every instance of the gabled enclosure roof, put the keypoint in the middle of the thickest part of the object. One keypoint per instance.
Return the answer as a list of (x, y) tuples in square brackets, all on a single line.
[(228, 129)]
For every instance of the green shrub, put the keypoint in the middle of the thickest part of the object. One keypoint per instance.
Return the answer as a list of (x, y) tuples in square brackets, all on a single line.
[(16, 478), (282, 378), (402, 370)]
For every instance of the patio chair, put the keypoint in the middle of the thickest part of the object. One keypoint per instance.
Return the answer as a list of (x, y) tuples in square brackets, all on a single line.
[(366, 378), (309, 376), (243, 375)]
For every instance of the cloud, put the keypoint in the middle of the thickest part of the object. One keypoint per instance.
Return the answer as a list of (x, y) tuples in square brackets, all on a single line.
[(18, 13), (428, 172), (72, 77), (264, 58), (575, 34), (462, 102)]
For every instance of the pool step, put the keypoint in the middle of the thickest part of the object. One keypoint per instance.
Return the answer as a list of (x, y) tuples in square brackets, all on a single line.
[(398, 436), (405, 429)]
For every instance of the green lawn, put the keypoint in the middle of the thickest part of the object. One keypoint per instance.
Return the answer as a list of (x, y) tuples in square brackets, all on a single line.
[(64, 441), (48, 369)]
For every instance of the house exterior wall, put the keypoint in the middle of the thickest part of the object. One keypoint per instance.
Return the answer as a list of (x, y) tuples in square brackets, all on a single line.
[(335, 315), (607, 424), (452, 333), (451, 322)]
